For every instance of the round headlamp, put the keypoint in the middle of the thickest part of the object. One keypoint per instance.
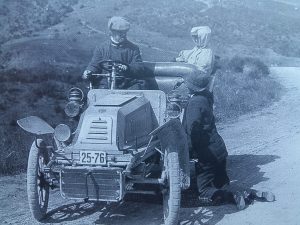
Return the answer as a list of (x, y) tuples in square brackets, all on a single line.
[(72, 109), (62, 132)]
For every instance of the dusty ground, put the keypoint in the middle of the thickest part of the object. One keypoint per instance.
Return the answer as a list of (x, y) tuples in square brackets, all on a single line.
[(264, 154)]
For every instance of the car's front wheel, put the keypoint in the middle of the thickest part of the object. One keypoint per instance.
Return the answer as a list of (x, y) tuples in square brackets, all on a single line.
[(37, 185), (171, 190)]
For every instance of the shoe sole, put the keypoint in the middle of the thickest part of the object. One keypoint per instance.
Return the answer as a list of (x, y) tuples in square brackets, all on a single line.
[(240, 203), (265, 195)]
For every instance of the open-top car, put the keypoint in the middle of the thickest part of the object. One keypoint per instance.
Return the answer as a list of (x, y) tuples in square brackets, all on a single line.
[(125, 140)]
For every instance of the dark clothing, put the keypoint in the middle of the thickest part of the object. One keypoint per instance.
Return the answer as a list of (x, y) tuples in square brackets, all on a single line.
[(199, 123), (205, 144), (126, 52), (211, 177), (209, 148)]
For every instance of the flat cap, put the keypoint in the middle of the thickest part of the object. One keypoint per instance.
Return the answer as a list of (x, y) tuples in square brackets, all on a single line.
[(197, 82), (118, 23)]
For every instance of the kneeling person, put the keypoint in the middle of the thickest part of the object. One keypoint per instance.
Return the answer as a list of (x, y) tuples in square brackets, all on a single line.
[(208, 147)]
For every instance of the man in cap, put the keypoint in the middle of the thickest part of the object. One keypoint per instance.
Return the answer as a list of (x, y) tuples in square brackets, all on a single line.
[(205, 143), (118, 48), (208, 147)]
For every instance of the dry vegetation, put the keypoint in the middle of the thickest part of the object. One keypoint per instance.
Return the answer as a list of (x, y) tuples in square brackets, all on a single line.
[(23, 18), (41, 95), (246, 24), (243, 85)]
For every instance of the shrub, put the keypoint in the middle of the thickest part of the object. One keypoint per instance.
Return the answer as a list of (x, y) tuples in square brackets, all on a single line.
[(243, 85), (31, 15), (248, 66), (51, 89)]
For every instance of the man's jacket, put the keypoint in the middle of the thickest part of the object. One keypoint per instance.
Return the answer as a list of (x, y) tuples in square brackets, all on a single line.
[(126, 52), (199, 122)]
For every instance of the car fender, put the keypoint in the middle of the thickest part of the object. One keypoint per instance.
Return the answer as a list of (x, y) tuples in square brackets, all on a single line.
[(173, 137), (35, 125)]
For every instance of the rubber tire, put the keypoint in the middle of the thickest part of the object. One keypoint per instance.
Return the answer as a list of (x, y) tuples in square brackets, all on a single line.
[(171, 202), (38, 211)]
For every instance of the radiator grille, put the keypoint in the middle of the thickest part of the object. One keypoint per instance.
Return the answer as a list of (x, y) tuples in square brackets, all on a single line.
[(102, 185)]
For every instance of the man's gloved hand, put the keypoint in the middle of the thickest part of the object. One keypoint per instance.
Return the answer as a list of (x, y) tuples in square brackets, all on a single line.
[(86, 74), (122, 68)]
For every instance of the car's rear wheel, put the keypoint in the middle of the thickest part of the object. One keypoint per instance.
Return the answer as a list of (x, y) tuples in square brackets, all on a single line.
[(37, 185), (171, 190)]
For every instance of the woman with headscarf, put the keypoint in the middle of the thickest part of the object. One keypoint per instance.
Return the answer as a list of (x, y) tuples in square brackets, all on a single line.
[(200, 55)]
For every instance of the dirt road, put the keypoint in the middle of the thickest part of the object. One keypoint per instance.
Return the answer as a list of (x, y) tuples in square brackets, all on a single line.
[(264, 152)]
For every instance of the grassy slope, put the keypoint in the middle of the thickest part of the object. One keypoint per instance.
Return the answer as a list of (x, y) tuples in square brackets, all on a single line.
[(23, 18), (250, 26)]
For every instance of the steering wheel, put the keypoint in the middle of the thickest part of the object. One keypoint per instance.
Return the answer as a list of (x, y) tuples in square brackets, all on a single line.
[(113, 69), (108, 65)]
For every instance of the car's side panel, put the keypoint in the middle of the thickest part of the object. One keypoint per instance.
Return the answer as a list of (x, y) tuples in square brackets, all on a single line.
[(135, 121)]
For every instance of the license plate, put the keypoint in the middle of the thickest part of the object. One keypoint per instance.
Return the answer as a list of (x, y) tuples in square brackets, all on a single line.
[(92, 157)]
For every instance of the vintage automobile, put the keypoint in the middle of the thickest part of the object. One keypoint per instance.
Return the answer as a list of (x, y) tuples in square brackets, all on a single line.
[(126, 141)]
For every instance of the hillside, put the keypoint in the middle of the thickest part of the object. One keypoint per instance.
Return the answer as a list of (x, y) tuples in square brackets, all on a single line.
[(268, 29)]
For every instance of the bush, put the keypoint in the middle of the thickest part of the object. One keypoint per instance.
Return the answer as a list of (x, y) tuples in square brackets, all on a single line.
[(25, 93), (51, 89), (22, 18), (13, 151), (252, 67), (243, 85)]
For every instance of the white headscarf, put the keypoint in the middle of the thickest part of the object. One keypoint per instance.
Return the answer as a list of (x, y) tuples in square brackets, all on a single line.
[(201, 36)]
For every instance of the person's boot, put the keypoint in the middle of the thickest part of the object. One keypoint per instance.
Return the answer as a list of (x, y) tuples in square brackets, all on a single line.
[(217, 198), (239, 200), (266, 196), (222, 196), (205, 201)]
